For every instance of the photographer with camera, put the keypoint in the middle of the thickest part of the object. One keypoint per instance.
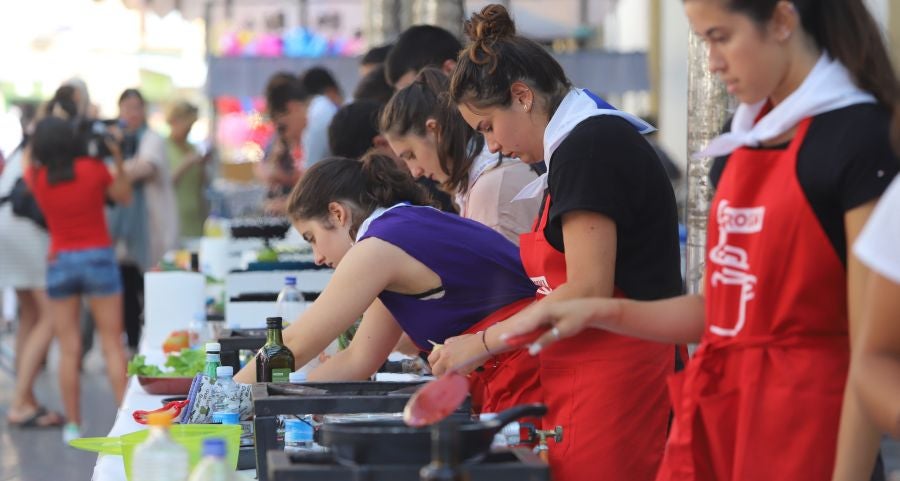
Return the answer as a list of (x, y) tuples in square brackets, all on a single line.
[(71, 189)]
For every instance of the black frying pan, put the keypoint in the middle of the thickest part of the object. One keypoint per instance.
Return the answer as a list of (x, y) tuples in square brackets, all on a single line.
[(393, 442)]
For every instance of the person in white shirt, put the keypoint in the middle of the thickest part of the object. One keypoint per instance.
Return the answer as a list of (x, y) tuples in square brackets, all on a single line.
[(430, 135), (326, 98)]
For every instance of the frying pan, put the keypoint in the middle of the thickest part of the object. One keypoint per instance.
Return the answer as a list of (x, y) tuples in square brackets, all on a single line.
[(393, 442)]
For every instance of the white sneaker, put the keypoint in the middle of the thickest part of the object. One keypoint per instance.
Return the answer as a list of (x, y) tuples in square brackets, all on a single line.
[(71, 432)]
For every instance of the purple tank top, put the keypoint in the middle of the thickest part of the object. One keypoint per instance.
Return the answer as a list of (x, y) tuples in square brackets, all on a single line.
[(480, 271)]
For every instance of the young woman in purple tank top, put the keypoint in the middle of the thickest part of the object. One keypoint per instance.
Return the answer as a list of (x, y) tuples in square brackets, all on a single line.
[(404, 267)]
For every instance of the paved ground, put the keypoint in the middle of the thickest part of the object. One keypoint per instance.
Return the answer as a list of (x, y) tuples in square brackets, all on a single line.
[(39, 454)]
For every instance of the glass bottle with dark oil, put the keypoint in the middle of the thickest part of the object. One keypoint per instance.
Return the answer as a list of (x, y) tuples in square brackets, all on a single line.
[(275, 362)]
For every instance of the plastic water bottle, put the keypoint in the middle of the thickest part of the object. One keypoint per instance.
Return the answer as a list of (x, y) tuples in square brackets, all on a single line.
[(290, 300), (213, 466), (213, 360), (227, 394), (298, 435), (197, 330), (159, 458)]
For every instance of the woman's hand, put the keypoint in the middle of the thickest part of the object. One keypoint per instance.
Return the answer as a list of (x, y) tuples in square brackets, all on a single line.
[(567, 318), (465, 348)]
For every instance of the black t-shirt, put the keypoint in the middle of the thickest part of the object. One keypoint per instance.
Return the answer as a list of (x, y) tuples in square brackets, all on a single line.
[(845, 161), (606, 166)]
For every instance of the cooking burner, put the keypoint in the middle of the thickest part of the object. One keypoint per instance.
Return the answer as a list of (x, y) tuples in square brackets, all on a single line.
[(271, 400), (518, 464)]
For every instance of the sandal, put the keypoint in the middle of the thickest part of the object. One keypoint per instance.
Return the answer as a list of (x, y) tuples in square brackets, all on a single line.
[(41, 418)]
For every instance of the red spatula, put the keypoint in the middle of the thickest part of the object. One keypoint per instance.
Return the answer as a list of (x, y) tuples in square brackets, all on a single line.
[(437, 399)]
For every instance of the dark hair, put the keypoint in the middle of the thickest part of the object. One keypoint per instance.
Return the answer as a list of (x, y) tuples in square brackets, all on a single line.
[(376, 55), (362, 185), (317, 80), (352, 128), (427, 98), (497, 57), (846, 30), (418, 47), (374, 87), (282, 88), (54, 145), (63, 103), (132, 93), (895, 130)]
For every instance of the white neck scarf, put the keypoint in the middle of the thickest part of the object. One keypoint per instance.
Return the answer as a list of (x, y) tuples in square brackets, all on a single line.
[(577, 106), (827, 87)]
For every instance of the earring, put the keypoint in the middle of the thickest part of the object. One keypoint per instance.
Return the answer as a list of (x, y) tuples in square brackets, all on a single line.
[(525, 107)]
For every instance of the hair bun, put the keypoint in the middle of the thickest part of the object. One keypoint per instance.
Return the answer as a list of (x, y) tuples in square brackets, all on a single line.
[(492, 24)]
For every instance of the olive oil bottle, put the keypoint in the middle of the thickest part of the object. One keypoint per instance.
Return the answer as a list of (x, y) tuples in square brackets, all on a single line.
[(274, 362)]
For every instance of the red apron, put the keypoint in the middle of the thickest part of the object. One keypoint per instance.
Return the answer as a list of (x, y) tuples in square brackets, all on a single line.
[(761, 398), (608, 392), (508, 379)]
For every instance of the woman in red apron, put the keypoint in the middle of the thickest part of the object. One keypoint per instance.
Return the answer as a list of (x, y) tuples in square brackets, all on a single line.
[(805, 159), (607, 226)]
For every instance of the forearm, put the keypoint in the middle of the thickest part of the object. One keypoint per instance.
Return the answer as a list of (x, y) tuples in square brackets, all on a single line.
[(121, 190), (677, 320), (343, 366), (138, 169), (858, 441), (875, 380)]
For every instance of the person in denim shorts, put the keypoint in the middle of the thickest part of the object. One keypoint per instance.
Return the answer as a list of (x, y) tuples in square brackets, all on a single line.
[(71, 189)]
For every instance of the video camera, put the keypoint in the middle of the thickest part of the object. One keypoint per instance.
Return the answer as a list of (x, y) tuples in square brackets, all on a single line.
[(92, 134)]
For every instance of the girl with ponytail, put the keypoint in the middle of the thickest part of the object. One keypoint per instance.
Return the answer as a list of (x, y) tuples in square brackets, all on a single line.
[(402, 265), (606, 227), (806, 157), (427, 132)]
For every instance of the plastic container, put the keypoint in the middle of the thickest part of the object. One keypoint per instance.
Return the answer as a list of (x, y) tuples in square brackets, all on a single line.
[(298, 435), (198, 330), (191, 436), (213, 466), (290, 300), (297, 377), (227, 394), (159, 457)]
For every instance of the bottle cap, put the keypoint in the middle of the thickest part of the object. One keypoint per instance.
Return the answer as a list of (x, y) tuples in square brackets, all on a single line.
[(224, 371), (213, 347), (230, 418), (214, 447), (159, 419), (273, 322), (297, 377), (290, 280)]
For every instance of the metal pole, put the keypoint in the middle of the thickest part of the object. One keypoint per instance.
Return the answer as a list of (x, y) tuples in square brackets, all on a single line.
[(708, 109), (446, 14)]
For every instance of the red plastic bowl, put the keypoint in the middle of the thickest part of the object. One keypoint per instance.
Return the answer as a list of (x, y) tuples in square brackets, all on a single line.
[(166, 385)]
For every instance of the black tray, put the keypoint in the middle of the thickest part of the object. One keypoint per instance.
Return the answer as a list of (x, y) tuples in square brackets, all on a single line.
[(271, 400), (518, 464)]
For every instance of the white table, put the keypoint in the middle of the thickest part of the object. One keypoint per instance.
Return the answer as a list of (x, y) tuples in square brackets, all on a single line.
[(112, 468)]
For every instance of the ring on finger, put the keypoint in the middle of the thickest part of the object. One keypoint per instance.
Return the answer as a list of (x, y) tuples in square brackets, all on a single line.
[(555, 332)]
